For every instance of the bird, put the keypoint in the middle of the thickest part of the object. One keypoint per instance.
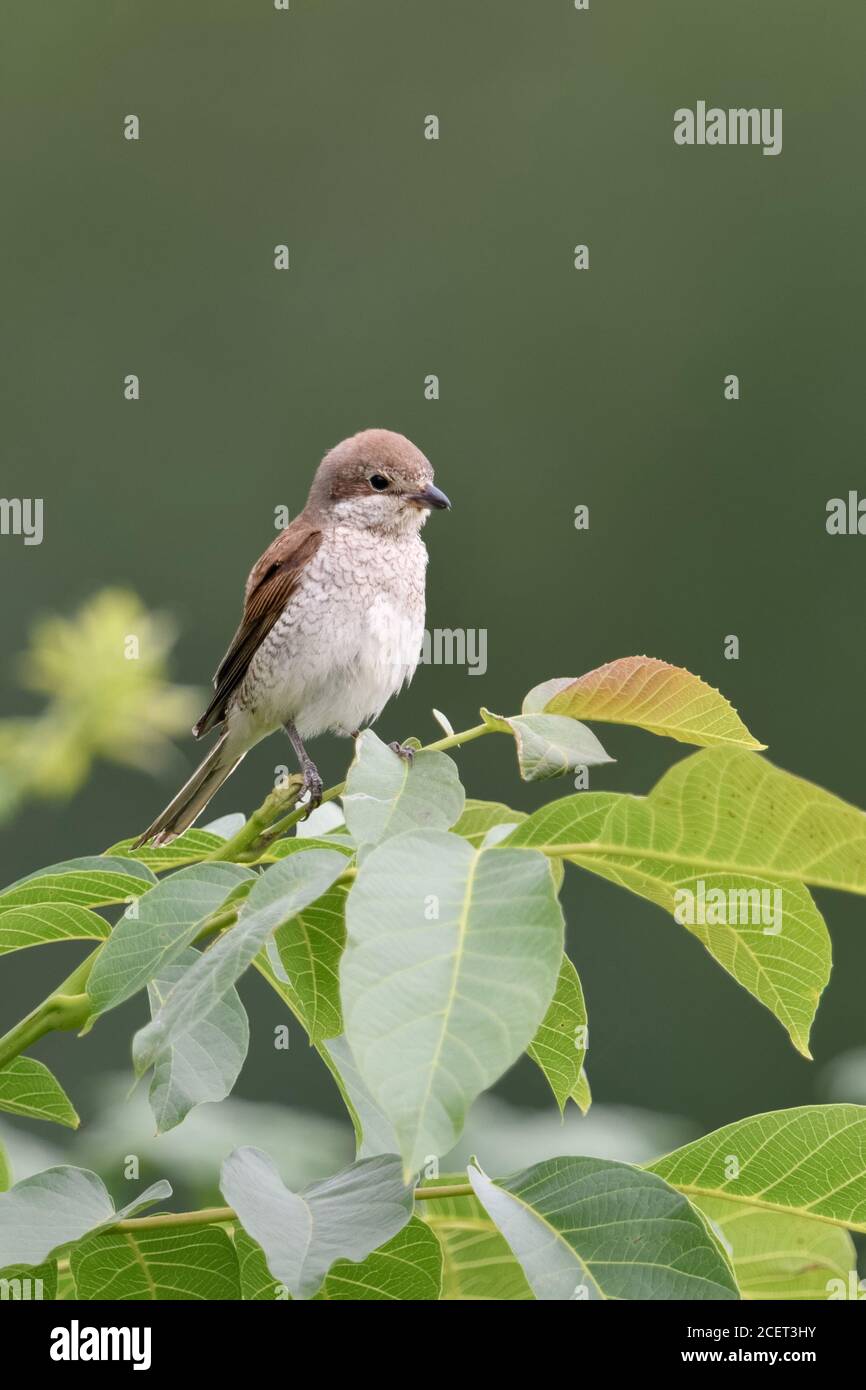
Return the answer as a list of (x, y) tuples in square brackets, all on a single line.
[(333, 619)]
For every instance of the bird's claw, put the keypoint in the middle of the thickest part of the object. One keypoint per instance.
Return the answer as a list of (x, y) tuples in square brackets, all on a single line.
[(314, 785), (403, 751)]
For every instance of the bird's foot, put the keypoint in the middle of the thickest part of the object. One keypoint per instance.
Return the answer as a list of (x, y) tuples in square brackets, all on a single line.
[(314, 785), (404, 751)]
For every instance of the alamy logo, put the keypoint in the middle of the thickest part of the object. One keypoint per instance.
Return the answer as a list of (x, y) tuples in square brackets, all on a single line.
[(846, 517), (17, 1289), (22, 516), (738, 125), (77, 1343), (731, 907), (456, 646), (443, 646), (855, 1288)]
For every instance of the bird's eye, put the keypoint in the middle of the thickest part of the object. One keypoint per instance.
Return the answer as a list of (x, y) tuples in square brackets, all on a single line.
[(379, 483)]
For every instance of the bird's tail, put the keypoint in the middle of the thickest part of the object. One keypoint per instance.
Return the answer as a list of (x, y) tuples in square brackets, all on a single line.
[(192, 798)]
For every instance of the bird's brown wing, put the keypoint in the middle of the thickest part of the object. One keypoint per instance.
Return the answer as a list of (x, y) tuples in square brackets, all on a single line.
[(271, 583)]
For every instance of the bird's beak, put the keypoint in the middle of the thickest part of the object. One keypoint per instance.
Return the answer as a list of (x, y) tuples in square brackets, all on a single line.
[(430, 497)]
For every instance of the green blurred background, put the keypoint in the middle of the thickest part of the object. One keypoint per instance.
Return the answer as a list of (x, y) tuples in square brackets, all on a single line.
[(558, 387)]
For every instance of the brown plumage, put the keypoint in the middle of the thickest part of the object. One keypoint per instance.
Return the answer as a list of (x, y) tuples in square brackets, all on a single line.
[(271, 583)]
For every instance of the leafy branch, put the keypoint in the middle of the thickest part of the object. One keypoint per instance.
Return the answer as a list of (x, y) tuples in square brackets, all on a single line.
[(67, 1007), (418, 941)]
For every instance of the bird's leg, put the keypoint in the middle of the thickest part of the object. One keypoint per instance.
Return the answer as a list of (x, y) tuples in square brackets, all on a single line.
[(312, 780)]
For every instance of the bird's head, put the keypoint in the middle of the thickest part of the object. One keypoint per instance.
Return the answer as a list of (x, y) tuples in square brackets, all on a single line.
[(377, 480)]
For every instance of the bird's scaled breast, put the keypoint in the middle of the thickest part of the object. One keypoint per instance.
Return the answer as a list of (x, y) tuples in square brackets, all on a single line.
[(350, 635), (369, 593)]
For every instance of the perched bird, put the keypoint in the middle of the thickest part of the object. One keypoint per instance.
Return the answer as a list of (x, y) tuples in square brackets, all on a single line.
[(333, 617)]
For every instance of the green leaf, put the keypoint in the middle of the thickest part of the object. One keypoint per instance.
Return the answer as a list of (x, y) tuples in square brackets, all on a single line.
[(309, 947), (407, 1267), (203, 1064), (5, 1170), (779, 1256), (94, 881), (158, 928), (374, 1132), (59, 1205), (587, 1228), (35, 926), (386, 794), (810, 1162), (477, 1262), (486, 823), (479, 817), (787, 828), (258, 1285), (649, 694), (278, 894), (560, 1044), (450, 964), (726, 825), (582, 1095), (176, 1263), (548, 745), (189, 848), (723, 808), (297, 844), (302, 1235), (28, 1088), (29, 1284)]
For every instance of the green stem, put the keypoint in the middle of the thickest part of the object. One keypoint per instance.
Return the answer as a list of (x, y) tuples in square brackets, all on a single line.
[(67, 1007), (300, 812), (206, 1217), (216, 1215), (260, 821), (457, 1189), (458, 740), (25, 1034), (217, 923)]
